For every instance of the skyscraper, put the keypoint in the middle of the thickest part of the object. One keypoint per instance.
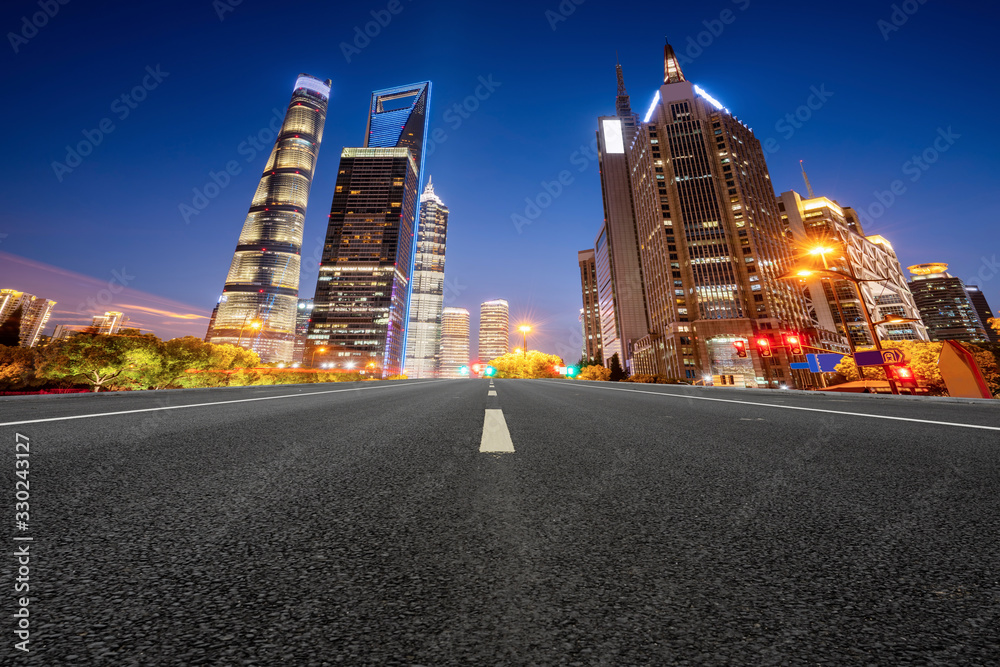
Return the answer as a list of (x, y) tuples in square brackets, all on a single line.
[(454, 342), (303, 313), (258, 303), (711, 241), (590, 315), (494, 330), (982, 307), (423, 342), (363, 292), (109, 323), (34, 313), (944, 304), (620, 293)]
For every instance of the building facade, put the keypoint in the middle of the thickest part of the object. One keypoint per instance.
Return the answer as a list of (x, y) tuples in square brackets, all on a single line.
[(109, 323), (834, 305), (454, 342), (303, 313), (262, 286), (711, 242), (494, 329), (590, 317), (945, 306), (34, 311), (423, 342), (982, 308)]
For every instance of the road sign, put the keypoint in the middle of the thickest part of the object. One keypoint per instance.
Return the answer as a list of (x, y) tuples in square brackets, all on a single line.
[(800, 366), (823, 363), (890, 357)]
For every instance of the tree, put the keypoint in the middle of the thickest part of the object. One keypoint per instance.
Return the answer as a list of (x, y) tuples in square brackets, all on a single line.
[(10, 330), (17, 368), (594, 373), (994, 322), (532, 365), (617, 372), (94, 359)]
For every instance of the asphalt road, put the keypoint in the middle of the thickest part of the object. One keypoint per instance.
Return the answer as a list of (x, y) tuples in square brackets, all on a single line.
[(632, 525)]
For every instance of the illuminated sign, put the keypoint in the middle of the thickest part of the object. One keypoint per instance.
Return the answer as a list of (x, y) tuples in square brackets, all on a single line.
[(613, 140), (714, 102), (312, 84), (652, 107)]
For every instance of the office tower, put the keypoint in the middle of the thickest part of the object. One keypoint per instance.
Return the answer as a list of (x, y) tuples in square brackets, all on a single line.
[(620, 292), (454, 342), (363, 292), (590, 314), (711, 242), (303, 312), (944, 304), (818, 222), (494, 330), (34, 313), (109, 323), (982, 308), (423, 341), (258, 303), (64, 332)]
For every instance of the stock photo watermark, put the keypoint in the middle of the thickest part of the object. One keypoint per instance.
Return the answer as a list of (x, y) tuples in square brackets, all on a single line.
[(30, 25), (459, 112), (223, 7), (22, 554), (363, 35), (792, 122), (122, 107), (901, 13), (696, 45), (119, 281), (552, 190), (562, 12)]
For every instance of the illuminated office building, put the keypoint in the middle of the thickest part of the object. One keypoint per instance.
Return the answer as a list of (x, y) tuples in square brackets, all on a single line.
[(494, 330), (423, 341), (454, 342), (590, 316), (944, 304), (982, 308), (258, 303), (711, 242), (303, 312), (109, 323), (34, 312), (821, 222), (362, 296)]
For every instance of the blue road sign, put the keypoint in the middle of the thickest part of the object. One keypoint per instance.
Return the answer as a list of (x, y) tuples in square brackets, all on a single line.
[(823, 363), (800, 366), (889, 357)]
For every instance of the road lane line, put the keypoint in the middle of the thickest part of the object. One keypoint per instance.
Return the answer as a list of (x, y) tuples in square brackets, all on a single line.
[(790, 407), (496, 437), (492, 393), (201, 405)]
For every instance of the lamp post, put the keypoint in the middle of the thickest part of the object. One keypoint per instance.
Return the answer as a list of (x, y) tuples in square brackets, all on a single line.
[(312, 356), (524, 329), (256, 324)]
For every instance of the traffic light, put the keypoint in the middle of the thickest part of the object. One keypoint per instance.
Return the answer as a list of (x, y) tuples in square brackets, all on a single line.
[(794, 343), (475, 368), (764, 347), (905, 376), (490, 371), (463, 370), (741, 348), (571, 371)]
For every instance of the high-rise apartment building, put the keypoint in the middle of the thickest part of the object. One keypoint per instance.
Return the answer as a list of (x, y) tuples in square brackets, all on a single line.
[(262, 287), (454, 342), (494, 330), (590, 315), (362, 297), (34, 312), (423, 342), (982, 307), (109, 323), (620, 293), (818, 222), (711, 241), (944, 304)]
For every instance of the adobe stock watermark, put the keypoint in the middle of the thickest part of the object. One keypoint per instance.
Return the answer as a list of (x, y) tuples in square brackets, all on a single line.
[(915, 168), (988, 270), (901, 13), (217, 181), (363, 36), (453, 289), (696, 44), (793, 122), (223, 7), (459, 112), (552, 190), (122, 106), (31, 25), (119, 281), (562, 12)]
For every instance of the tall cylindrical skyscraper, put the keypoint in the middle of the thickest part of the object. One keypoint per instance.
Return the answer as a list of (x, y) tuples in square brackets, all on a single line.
[(494, 330), (259, 301), (454, 342), (423, 340)]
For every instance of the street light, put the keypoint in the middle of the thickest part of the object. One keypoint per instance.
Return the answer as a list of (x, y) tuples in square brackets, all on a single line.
[(256, 324), (312, 357), (524, 329)]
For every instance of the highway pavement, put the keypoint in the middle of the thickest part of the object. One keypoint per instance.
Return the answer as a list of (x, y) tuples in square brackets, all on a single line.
[(513, 522)]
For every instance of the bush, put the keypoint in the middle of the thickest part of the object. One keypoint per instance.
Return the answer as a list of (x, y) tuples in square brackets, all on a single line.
[(595, 373)]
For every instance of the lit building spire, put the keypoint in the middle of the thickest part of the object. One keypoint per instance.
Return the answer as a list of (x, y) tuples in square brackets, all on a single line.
[(622, 105), (671, 66)]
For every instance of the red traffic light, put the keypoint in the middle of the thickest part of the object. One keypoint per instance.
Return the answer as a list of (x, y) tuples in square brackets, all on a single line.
[(764, 347), (741, 348), (476, 368), (905, 376), (794, 343)]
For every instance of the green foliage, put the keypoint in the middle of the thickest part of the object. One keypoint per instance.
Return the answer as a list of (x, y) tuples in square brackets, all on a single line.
[(17, 368), (654, 379), (617, 372), (532, 365), (594, 373)]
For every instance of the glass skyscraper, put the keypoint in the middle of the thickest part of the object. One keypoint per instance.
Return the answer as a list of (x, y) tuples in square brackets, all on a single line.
[(362, 297), (454, 342), (257, 308), (494, 329), (424, 338)]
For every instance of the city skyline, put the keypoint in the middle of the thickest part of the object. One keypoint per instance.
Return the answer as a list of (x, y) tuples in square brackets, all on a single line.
[(567, 221)]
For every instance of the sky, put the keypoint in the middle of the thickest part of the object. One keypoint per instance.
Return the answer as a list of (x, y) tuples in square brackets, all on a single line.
[(886, 86)]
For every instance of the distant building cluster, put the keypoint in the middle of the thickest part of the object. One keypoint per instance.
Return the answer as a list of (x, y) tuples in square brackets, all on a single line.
[(34, 313), (698, 261)]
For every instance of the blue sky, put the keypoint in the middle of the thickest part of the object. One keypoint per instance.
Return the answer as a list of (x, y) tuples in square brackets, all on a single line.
[(222, 67)]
